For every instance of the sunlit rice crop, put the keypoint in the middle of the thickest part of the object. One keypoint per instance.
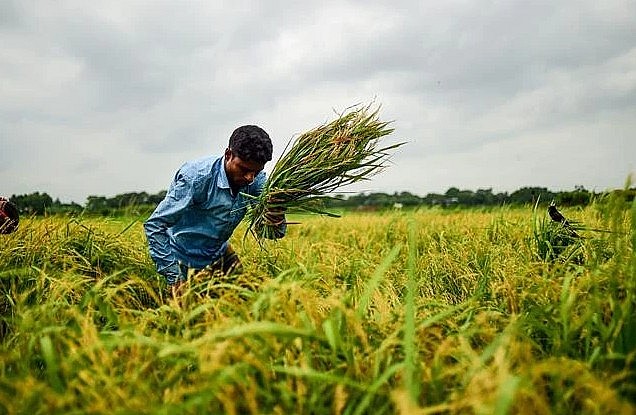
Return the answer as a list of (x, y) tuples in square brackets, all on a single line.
[(414, 312)]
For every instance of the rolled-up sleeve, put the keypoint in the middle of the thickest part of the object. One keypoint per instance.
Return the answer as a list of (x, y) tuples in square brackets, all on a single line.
[(168, 212)]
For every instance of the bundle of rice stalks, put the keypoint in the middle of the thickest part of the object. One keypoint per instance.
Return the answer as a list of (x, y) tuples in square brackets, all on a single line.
[(318, 162)]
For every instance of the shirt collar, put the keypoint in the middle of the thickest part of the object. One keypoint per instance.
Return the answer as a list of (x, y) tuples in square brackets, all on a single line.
[(222, 180)]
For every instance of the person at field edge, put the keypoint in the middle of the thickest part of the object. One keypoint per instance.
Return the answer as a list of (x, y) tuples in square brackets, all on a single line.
[(190, 228), (9, 217)]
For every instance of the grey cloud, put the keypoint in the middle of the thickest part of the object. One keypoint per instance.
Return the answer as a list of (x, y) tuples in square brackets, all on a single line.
[(134, 89), (121, 75), (126, 64), (10, 16), (170, 141), (482, 52)]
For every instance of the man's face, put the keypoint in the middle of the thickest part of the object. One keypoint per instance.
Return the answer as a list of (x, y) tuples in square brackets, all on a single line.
[(240, 172)]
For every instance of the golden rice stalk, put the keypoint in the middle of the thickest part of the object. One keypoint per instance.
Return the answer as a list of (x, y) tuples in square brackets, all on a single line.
[(318, 162)]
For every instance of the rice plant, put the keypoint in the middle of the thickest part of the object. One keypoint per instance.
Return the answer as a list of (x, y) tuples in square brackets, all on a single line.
[(557, 239), (320, 161), (418, 312)]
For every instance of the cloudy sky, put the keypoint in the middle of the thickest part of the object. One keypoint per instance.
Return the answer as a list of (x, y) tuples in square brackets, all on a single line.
[(101, 98)]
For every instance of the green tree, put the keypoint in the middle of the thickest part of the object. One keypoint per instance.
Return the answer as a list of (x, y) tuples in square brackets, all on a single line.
[(95, 204), (529, 195), (36, 203)]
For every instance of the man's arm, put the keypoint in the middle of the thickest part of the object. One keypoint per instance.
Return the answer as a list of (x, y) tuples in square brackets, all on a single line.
[(167, 213)]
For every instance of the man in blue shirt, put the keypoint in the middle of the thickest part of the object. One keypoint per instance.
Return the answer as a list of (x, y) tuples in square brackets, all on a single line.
[(207, 199)]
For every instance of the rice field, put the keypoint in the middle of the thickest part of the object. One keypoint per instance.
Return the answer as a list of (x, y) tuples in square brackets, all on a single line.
[(400, 312)]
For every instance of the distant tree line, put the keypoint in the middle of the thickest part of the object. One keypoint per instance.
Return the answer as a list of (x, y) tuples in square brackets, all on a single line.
[(143, 203), (467, 198), (124, 202), (136, 203)]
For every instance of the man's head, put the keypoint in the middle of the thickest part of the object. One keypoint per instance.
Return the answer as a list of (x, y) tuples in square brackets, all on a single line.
[(9, 217), (251, 143), (249, 149)]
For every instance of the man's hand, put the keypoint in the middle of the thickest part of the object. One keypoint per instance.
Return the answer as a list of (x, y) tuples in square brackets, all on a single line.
[(274, 212), (275, 220), (275, 216), (177, 289)]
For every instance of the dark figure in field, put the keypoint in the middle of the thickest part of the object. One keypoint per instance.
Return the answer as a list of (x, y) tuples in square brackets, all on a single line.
[(9, 217), (557, 216), (189, 230)]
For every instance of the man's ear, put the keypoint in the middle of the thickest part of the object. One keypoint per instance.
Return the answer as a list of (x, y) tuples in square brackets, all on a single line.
[(228, 154)]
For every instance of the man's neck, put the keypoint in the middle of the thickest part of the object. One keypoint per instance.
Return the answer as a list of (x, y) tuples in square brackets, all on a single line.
[(233, 189)]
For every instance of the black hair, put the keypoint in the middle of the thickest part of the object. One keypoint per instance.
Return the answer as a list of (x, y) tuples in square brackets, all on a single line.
[(251, 143)]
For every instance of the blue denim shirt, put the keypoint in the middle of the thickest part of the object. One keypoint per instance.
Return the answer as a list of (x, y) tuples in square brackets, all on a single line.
[(197, 217)]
